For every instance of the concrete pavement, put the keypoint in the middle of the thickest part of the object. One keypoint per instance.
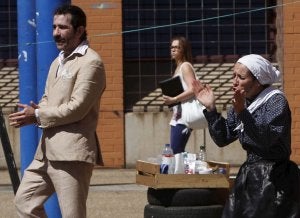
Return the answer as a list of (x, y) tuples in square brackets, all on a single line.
[(113, 194)]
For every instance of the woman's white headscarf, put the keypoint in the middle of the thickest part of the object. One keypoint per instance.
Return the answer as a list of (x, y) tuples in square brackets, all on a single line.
[(265, 73), (261, 68)]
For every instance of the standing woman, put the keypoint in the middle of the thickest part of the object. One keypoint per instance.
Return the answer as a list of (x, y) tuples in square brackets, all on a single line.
[(268, 183), (182, 55)]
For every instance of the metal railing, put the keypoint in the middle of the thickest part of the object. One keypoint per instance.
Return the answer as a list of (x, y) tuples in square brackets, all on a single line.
[(8, 153)]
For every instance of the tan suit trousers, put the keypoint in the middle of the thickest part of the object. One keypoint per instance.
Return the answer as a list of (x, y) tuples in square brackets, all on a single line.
[(69, 179)]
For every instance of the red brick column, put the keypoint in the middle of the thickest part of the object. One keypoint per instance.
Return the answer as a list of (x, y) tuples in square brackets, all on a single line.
[(291, 68), (111, 122)]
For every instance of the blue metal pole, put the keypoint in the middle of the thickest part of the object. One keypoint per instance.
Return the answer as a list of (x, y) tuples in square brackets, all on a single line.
[(27, 75), (46, 53)]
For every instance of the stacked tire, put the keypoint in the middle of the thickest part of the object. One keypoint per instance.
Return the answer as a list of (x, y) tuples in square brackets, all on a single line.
[(185, 203)]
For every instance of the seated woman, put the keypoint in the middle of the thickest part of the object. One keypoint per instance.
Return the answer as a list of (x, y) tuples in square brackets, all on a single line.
[(268, 183)]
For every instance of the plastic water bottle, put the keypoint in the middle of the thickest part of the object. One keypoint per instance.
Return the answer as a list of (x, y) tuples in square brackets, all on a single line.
[(167, 163), (202, 154), (185, 163), (200, 163)]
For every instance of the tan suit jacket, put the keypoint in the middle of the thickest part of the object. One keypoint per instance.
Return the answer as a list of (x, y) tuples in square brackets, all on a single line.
[(69, 108)]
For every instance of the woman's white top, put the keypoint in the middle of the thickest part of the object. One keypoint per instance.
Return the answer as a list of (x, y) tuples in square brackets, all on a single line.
[(176, 118)]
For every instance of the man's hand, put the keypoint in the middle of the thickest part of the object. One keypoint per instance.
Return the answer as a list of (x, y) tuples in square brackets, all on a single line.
[(34, 105), (24, 117)]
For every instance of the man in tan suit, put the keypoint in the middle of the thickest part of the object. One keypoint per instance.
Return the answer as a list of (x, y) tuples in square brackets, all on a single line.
[(68, 116)]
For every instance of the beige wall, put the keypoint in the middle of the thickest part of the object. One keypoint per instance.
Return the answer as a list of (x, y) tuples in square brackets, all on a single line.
[(146, 134)]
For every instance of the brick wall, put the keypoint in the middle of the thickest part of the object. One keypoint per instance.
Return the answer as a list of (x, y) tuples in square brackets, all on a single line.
[(111, 121), (291, 67)]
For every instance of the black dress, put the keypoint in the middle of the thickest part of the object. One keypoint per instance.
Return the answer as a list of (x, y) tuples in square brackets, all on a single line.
[(268, 183)]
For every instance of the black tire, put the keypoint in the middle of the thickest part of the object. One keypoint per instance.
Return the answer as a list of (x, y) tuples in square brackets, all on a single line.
[(211, 211), (186, 197)]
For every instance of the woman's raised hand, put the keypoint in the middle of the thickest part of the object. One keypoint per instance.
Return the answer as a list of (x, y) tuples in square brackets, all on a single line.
[(204, 94)]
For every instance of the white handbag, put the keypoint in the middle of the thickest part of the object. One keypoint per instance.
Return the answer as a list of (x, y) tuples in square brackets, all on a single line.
[(192, 114)]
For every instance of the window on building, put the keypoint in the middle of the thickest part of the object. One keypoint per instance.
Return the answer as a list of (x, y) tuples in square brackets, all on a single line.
[(8, 29), (219, 31)]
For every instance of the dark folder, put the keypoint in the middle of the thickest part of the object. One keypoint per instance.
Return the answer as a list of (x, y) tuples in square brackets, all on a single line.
[(171, 87)]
